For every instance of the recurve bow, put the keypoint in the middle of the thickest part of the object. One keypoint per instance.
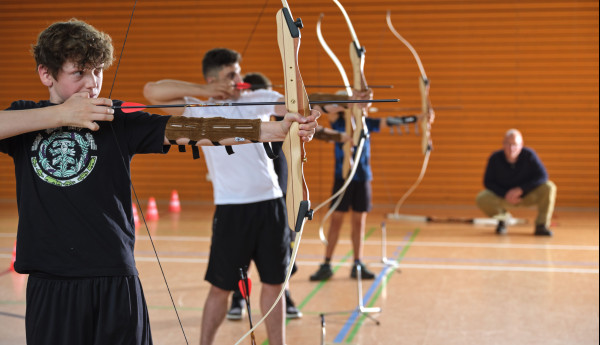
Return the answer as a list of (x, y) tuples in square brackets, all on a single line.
[(425, 117), (354, 116), (296, 99)]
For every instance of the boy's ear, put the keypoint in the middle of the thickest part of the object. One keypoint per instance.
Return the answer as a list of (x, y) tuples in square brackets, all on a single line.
[(45, 75)]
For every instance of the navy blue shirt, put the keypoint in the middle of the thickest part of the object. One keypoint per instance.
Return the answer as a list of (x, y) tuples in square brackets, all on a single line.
[(363, 171), (527, 172)]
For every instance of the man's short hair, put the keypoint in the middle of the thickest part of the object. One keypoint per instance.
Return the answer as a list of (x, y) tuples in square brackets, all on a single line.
[(512, 132), (74, 41), (257, 81), (215, 59)]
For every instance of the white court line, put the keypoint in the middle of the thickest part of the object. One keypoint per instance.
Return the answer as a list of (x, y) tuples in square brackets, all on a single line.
[(399, 243), (471, 245), (502, 268), (411, 266), (175, 238), (177, 260), (402, 265), (390, 243), (495, 245)]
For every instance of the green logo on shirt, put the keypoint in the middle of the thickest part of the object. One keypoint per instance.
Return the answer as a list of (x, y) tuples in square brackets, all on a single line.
[(63, 158)]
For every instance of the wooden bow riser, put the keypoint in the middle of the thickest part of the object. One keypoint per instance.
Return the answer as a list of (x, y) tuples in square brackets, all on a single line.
[(426, 143), (288, 38), (357, 58), (348, 145)]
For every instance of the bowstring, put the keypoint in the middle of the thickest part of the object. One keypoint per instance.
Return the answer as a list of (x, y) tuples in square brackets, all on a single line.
[(131, 182), (254, 28)]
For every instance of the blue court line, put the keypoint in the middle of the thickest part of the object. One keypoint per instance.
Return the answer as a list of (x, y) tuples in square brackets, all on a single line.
[(374, 286), (3, 313)]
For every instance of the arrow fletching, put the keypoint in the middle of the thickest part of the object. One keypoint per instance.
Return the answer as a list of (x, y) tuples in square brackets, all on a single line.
[(245, 290), (243, 86), (131, 107)]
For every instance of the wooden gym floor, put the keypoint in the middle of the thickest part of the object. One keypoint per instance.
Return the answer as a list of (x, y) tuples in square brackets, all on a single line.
[(456, 283)]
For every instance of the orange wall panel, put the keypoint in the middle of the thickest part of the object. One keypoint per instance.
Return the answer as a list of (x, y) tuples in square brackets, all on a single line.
[(530, 65)]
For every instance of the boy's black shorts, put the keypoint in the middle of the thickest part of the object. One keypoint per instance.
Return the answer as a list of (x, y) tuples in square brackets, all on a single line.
[(256, 231), (357, 195), (94, 311)]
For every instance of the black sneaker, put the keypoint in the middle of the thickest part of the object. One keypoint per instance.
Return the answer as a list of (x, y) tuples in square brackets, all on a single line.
[(364, 272), (291, 312), (542, 230), (323, 273), (501, 228), (237, 306)]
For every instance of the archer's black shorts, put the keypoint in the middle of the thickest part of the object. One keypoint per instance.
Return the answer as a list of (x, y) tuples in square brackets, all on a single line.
[(256, 231), (357, 195), (94, 311)]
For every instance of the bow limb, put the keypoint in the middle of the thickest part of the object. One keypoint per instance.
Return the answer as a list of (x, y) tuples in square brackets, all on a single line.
[(426, 109), (346, 146), (426, 113), (357, 58), (296, 100), (333, 57)]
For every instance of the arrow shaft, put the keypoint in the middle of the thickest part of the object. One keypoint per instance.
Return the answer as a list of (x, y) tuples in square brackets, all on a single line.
[(241, 104), (260, 86)]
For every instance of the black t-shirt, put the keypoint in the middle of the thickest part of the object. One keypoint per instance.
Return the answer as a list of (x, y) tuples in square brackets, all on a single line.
[(74, 196)]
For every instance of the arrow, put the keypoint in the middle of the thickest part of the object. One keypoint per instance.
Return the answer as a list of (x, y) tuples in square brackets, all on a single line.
[(131, 107), (245, 286)]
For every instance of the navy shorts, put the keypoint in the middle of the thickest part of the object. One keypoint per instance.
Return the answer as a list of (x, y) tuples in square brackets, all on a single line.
[(241, 233), (358, 195), (94, 311)]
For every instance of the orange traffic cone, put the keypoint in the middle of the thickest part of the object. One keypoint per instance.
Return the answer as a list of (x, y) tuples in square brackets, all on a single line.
[(13, 259), (174, 205), (152, 211), (136, 218)]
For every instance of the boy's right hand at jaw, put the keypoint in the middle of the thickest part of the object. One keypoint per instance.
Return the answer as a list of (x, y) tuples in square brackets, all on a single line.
[(80, 110)]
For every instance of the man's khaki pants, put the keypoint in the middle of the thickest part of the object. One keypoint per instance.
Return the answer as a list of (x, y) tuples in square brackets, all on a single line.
[(543, 197)]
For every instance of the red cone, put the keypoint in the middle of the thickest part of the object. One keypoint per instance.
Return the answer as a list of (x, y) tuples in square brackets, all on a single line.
[(13, 259), (152, 211), (136, 218), (174, 205)]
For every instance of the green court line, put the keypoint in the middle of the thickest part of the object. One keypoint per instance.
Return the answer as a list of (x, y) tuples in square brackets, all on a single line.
[(13, 302), (323, 282), (362, 318)]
